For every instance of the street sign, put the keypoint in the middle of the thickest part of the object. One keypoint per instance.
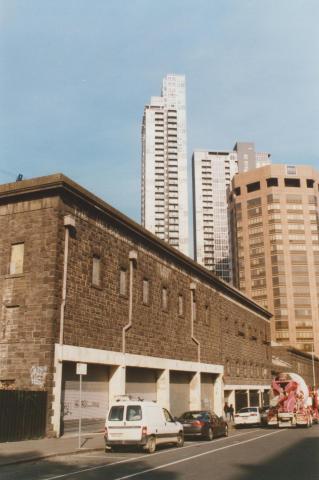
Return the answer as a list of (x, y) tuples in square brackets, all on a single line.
[(81, 368)]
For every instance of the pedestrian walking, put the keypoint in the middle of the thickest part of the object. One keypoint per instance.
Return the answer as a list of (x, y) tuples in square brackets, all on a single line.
[(231, 412), (226, 410)]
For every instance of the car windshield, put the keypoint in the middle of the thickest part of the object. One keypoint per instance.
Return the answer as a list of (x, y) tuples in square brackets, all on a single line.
[(116, 414), (248, 410), (195, 415)]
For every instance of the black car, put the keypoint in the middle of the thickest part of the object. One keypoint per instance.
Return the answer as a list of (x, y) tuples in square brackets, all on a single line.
[(204, 424)]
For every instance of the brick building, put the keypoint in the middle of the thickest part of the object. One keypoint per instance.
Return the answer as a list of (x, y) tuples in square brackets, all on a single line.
[(80, 282)]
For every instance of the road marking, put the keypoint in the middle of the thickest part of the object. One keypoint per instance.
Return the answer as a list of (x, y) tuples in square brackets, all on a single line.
[(195, 456), (133, 459)]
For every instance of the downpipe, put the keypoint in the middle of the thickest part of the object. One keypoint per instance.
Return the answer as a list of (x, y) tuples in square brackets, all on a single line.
[(133, 259), (195, 340)]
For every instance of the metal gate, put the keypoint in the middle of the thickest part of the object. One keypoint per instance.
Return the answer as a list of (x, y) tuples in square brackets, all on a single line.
[(94, 398), (207, 391), (22, 415), (179, 392), (141, 382)]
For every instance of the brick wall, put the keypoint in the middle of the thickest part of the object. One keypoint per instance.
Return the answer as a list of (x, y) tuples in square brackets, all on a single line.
[(95, 317)]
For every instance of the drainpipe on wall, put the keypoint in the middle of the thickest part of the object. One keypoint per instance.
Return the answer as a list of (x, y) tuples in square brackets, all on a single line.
[(132, 258), (195, 340), (69, 222)]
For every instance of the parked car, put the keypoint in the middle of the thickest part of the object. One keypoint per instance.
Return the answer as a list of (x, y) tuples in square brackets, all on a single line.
[(144, 423), (247, 416), (204, 424)]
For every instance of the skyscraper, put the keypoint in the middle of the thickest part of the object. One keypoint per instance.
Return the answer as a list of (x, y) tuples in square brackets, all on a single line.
[(212, 175), (275, 221), (164, 165)]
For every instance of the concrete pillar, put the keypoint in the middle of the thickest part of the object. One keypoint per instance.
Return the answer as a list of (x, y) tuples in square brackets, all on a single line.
[(162, 389), (195, 392), (260, 395), (57, 392), (248, 398), (218, 395), (116, 382), (231, 398)]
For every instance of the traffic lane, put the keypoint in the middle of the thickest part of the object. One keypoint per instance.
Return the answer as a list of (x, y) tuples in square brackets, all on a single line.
[(281, 454), (67, 465)]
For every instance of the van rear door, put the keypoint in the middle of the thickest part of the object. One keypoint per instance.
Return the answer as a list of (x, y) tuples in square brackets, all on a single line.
[(133, 422), (124, 423)]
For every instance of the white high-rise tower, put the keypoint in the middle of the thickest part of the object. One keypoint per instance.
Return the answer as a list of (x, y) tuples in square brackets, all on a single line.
[(164, 165), (212, 175)]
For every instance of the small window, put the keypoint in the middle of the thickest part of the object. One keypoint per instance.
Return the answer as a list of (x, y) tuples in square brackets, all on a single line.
[(272, 182), (133, 413), (207, 314), (146, 291), (96, 271), (252, 187), (123, 282), (164, 298), (16, 259), (292, 182), (180, 305), (310, 183), (237, 191), (116, 414)]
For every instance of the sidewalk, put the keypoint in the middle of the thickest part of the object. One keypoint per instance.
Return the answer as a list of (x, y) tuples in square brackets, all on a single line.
[(30, 450)]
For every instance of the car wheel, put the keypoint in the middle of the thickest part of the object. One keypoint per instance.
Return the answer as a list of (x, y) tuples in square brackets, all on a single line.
[(226, 431), (180, 440), (150, 445), (210, 434)]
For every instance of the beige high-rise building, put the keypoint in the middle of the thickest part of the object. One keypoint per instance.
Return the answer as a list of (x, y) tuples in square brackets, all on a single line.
[(275, 230)]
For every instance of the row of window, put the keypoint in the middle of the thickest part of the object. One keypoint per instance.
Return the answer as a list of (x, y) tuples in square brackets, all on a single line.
[(274, 182), (246, 369)]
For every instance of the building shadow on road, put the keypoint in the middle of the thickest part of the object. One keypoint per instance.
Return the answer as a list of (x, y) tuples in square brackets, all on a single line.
[(70, 466), (299, 462)]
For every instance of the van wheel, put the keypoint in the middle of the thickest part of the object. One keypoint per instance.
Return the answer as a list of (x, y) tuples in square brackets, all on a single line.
[(150, 445), (180, 440)]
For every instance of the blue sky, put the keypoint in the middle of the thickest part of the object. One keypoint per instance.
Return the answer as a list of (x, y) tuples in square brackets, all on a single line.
[(75, 75)]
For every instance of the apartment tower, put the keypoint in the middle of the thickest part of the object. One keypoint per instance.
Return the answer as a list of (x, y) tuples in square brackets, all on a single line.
[(275, 225), (164, 165), (212, 175)]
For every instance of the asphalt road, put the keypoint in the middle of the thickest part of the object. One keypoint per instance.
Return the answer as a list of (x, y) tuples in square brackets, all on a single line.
[(247, 454)]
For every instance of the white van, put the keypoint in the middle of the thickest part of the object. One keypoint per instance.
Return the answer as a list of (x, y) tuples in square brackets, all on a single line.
[(138, 422)]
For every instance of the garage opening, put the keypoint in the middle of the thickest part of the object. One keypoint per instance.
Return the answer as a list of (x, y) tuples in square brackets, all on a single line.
[(179, 392), (254, 398), (141, 382), (207, 391), (241, 400), (94, 398)]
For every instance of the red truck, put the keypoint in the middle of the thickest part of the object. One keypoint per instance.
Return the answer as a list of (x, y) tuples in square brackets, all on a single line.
[(291, 405)]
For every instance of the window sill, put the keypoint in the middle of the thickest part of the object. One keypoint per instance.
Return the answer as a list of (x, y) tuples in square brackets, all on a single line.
[(14, 275), (97, 287)]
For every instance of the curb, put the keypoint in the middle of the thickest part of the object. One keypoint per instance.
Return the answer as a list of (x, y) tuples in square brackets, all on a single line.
[(50, 455)]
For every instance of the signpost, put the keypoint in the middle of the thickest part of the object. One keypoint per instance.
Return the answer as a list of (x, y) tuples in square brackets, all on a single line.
[(81, 369)]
